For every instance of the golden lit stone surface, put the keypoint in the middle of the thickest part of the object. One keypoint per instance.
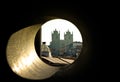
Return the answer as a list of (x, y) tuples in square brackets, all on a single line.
[(22, 57)]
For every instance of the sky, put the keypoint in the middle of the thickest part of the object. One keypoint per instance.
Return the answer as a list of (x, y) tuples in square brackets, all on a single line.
[(62, 26)]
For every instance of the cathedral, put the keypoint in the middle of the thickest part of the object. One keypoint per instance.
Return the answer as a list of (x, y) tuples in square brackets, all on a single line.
[(58, 46)]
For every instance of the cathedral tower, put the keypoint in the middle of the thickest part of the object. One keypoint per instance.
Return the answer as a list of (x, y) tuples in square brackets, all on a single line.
[(68, 37), (55, 44)]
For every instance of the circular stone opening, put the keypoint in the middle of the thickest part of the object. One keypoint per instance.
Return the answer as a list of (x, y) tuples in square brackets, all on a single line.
[(60, 42), (36, 52)]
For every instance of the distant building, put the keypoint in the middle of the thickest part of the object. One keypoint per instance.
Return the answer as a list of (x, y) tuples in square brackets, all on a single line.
[(74, 49), (58, 46), (75, 44), (63, 47)]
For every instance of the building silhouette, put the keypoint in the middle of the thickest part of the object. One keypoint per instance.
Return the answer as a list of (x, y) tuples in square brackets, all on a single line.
[(59, 47)]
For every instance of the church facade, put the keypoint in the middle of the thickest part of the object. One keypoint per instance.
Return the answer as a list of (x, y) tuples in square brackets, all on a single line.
[(60, 47)]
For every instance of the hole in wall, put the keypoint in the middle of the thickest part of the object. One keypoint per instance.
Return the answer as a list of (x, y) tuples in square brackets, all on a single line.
[(61, 42), (40, 50)]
